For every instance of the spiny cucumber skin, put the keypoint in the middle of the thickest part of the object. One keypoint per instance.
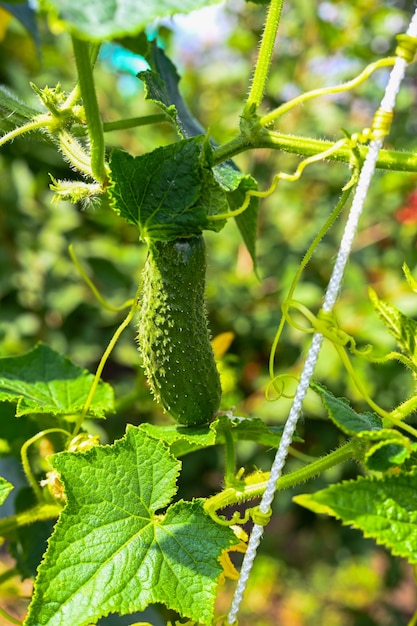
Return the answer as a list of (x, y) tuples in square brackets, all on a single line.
[(173, 335)]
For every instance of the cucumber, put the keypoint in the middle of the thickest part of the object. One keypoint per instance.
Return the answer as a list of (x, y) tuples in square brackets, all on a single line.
[(173, 335)]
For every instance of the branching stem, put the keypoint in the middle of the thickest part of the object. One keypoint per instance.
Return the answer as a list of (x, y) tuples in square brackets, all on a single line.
[(231, 496), (40, 512), (305, 146)]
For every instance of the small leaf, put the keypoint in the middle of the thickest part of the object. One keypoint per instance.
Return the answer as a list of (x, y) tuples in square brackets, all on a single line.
[(248, 429), (106, 19), (410, 278), (401, 327), (384, 509), (5, 489), (342, 414), (161, 87), (43, 381), (384, 455), (113, 550)]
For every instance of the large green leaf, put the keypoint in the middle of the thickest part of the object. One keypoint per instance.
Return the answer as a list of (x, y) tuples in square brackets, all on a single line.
[(167, 193), (107, 19), (384, 509), (114, 550), (44, 381)]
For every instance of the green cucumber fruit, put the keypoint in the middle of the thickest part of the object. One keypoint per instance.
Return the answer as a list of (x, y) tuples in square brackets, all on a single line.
[(173, 336)]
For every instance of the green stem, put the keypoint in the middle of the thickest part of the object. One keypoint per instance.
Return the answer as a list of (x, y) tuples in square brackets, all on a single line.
[(232, 495), (74, 152), (134, 122), (342, 454), (93, 288), (40, 512), (25, 460), (404, 409), (265, 53), (102, 363), (306, 259), (305, 146), (37, 124), (92, 113)]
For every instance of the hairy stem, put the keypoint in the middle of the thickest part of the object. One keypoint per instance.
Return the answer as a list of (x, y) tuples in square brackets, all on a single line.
[(342, 454), (265, 53), (37, 513), (232, 495), (36, 124), (304, 146), (92, 113)]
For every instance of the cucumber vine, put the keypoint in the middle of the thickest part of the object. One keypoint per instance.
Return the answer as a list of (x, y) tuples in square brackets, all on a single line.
[(117, 499)]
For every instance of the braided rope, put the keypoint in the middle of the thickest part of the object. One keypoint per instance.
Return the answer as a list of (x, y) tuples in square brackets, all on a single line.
[(407, 46)]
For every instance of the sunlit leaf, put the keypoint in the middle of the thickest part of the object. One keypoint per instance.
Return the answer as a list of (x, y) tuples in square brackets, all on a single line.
[(167, 193), (115, 550), (342, 414), (44, 381), (384, 509), (401, 327)]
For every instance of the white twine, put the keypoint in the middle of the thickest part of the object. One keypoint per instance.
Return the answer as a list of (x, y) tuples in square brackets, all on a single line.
[(333, 288)]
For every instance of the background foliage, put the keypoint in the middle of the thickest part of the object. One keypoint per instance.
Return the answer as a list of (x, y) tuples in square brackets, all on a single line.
[(311, 570)]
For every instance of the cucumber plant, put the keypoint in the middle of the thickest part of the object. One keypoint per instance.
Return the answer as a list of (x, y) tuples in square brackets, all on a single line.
[(120, 538)]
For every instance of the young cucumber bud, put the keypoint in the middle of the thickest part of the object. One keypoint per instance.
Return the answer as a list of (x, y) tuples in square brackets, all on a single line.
[(173, 335)]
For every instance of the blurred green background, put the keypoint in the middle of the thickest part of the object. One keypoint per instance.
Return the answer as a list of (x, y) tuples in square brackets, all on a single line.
[(310, 570)]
